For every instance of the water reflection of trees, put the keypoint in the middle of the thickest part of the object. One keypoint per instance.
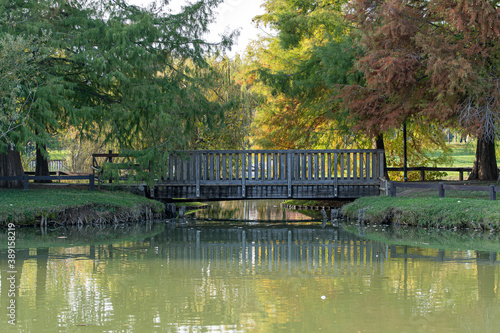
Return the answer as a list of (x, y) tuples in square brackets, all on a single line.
[(250, 210), (231, 277)]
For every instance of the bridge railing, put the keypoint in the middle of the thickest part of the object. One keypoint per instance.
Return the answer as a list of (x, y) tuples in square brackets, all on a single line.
[(274, 167)]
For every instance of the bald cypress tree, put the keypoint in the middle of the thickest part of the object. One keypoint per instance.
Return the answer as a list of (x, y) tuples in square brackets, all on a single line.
[(117, 69), (436, 60)]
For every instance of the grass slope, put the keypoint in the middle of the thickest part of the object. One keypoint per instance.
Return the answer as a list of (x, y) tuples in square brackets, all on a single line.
[(427, 211), (27, 206)]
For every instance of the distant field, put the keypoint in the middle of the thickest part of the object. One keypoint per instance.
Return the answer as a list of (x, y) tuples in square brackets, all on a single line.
[(463, 154)]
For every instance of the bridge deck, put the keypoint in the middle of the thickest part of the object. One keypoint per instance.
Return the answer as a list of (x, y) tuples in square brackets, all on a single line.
[(271, 174)]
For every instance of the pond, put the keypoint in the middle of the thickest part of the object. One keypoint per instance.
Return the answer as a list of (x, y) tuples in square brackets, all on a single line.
[(245, 276), (249, 210)]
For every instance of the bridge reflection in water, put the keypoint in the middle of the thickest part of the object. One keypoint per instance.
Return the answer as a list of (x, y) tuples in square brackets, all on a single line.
[(277, 250), (280, 279)]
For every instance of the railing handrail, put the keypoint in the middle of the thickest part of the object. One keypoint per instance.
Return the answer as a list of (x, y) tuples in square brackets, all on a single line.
[(249, 151), (269, 151), (423, 169), (430, 168)]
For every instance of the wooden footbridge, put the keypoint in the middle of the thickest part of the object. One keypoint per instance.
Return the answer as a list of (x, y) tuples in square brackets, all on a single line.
[(271, 174)]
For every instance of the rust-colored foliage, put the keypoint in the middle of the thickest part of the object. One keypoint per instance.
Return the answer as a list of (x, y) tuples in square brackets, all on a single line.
[(425, 58)]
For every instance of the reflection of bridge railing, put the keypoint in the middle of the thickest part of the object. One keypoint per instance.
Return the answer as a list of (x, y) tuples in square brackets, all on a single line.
[(266, 174), (277, 249)]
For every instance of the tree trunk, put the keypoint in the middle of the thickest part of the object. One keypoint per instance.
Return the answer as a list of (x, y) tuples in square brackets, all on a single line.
[(485, 166), (42, 165), (378, 143), (11, 165)]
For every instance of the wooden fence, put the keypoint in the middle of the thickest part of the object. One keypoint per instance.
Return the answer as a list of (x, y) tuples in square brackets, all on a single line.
[(442, 187), (26, 178), (422, 170)]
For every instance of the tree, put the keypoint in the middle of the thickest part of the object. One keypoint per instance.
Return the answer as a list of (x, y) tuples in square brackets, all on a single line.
[(430, 60), (117, 69), (298, 70), (18, 86), (229, 128)]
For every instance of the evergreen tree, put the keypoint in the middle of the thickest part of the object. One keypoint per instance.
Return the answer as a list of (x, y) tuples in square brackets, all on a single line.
[(299, 69), (224, 84), (118, 69)]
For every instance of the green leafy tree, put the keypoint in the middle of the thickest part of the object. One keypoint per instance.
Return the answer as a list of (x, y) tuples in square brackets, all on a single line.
[(18, 86), (316, 95), (296, 69), (224, 85), (120, 70)]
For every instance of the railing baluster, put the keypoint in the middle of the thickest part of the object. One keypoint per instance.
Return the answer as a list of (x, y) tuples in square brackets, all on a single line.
[(323, 166), (189, 162), (243, 177), (316, 166), (269, 166), (348, 166), (185, 167), (256, 167), (289, 168), (250, 166), (341, 166), (355, 166), (237, 166), (336, 180), (231, 166), (197, 174), (217, 166), (178, 167), (309, 166), (262, 166), (224, 166), (375, 166), (329, 166), (368, 173), (282, 166), (381, 164), (211, 167), (296, 158), (275, 165), (304, 165), (171, 167), (361, 171)]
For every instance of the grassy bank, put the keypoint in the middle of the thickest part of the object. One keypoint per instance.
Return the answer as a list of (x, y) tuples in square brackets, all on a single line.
[(428, 210), (29, 207)]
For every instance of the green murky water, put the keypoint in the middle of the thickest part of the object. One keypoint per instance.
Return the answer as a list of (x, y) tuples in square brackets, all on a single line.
[(240, 278)]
